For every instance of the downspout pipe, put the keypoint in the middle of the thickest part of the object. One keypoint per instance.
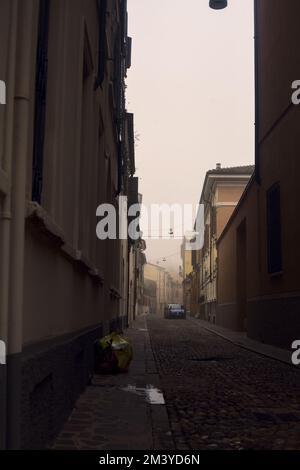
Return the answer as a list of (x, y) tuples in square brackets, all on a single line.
[(26, 43), (5, 218), (257, 94)]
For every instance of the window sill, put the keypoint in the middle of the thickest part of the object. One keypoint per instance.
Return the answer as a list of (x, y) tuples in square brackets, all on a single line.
[(114, 293), (40, 220), (77, 257)]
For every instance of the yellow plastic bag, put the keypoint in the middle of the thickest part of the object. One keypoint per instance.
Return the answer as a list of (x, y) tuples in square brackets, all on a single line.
[(121, 348)]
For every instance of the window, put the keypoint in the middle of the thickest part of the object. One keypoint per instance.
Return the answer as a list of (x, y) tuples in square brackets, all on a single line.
[(40, 101), (102, 8), (274, 230)]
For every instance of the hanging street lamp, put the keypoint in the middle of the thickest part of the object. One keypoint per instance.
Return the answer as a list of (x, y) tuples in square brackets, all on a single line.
[(218, 4)]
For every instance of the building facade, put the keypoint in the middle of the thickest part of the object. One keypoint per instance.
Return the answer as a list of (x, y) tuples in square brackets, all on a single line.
[(167, 289), (259, 271), (136, 255), (221, 192), (62, 153), (149, 292)]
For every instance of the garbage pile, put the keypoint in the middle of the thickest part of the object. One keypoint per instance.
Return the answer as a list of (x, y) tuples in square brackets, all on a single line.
[(113, 354)]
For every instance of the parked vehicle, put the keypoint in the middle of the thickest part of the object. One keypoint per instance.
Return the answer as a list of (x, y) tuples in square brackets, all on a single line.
[(173, 311)]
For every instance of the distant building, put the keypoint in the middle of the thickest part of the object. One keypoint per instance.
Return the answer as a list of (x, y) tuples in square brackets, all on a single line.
[(136, 259), (150, 293), (187, 268), (176, 294), (167, 289), (221, 192), (157, 274)]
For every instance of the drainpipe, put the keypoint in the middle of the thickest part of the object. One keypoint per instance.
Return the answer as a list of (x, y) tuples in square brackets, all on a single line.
[(5, 216), (22, 108), (257, 95)]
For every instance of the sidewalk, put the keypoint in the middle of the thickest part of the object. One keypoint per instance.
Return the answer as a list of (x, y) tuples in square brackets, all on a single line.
[(120, 411), (241, 339)]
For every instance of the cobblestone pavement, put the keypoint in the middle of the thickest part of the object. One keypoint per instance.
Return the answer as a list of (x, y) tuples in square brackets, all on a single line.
[(114, 413), (220, 396)]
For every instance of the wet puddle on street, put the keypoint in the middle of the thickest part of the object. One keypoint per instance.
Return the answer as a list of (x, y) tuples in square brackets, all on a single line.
[(151, 394), (209, 360)]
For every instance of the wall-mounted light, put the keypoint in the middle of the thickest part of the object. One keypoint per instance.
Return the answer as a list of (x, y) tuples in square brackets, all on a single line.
[(218, 4)]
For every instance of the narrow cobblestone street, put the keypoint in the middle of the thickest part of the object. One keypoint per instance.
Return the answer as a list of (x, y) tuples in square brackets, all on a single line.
[(218, 396)]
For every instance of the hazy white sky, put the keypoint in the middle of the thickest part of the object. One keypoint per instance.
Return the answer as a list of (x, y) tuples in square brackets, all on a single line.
[(191, 88)]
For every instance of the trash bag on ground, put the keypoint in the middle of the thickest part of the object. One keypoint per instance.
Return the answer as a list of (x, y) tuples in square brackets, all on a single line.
[(113, 354)]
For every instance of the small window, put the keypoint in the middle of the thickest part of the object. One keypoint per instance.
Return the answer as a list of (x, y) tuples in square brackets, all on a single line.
[(274, 230)]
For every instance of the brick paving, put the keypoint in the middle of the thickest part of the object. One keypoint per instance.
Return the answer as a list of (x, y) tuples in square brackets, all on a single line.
[(221, 396), (218, 396), (108, 417)]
